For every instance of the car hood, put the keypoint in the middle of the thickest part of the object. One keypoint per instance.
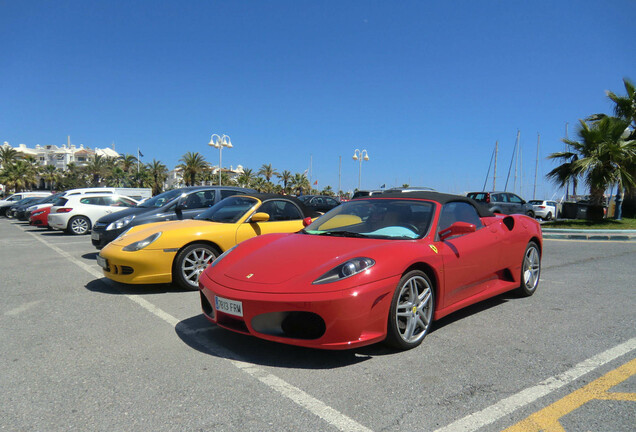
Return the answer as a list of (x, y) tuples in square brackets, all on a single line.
[(285, 263), (174, 233), (137, 211)]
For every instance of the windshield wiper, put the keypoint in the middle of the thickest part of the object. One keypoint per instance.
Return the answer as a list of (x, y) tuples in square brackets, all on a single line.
[(342, 234)]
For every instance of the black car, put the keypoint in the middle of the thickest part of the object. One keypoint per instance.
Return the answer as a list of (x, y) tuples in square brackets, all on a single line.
[(11, 211), (183, 203), (503, 202), (22, 213), (319, 203)]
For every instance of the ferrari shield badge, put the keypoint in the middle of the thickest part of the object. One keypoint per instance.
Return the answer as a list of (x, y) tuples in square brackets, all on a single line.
[(433, 248)]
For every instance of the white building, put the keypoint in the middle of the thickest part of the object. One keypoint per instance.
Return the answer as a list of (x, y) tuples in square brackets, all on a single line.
[(61, 156)]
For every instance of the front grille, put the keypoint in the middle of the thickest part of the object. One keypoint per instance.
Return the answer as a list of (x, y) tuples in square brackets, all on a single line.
[(99, 226), (125, 270)]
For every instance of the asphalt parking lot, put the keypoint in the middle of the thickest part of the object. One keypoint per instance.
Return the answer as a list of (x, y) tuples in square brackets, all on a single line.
[(82, 353)]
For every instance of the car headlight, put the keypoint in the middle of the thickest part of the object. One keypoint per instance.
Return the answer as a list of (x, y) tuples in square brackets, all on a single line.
[(138, 245), (345, 270), (37, 213), (220, 257), (120, 223)]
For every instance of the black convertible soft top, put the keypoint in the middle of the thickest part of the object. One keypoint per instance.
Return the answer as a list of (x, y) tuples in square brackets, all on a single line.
[(441, 198), (307, 212)]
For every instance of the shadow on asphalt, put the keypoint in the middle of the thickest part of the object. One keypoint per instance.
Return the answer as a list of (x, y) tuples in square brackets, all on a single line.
[(90, 256), (198, 333), (106, 286)]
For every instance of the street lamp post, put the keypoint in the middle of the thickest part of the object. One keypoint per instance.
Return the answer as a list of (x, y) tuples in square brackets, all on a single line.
[(360, 156), (219, 142)]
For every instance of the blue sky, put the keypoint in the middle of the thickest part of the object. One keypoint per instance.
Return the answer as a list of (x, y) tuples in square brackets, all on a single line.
[(425, 87)]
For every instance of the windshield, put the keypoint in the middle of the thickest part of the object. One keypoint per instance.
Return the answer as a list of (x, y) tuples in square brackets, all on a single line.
[(161, 199), (376, 218), (229, 210)]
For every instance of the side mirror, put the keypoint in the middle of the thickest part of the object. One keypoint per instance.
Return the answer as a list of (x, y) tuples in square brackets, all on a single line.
[(180, 204), (458, 228), (307, 221), (259, 217)]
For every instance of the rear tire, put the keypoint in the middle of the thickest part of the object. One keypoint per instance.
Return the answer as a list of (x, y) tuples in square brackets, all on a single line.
[(530, 213), (412, 309), (548, 216), (530, 270), (191, 262), (79, 225)]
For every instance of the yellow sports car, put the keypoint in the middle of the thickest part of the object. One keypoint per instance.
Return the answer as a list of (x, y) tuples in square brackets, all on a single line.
[(179, 251)]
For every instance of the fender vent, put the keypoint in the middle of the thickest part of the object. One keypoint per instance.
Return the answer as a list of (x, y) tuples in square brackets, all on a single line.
[(509, 222)]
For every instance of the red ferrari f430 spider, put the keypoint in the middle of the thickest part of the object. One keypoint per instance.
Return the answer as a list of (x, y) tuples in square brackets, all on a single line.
[(376, 269)]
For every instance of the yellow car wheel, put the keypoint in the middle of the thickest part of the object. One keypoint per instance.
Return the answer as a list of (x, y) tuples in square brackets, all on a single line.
[(191, 262)]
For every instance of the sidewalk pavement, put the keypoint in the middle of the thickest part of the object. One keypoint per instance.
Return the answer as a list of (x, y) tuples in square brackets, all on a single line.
[(591, 234)]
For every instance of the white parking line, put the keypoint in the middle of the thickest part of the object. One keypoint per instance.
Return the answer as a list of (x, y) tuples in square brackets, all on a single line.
[(296, 395), (506, 406)]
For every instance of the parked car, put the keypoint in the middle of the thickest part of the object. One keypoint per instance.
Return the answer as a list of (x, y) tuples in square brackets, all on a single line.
[(409, 189), (503, 202), (39, 218), (179, 251), (319, 203), (12, 199), (365, 193), (76, 214), (379, 269), (176, 204), (24, 211), (545, 209), (12, 210)]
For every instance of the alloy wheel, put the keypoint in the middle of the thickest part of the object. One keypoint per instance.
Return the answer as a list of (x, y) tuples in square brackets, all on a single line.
[(414, 309)]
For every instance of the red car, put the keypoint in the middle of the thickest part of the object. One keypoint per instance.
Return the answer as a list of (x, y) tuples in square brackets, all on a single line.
[(39, 218), (372, 270)]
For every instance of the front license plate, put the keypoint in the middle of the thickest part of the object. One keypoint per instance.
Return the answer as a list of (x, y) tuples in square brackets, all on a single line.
[(230, 307), (102, 262), (95, 236)]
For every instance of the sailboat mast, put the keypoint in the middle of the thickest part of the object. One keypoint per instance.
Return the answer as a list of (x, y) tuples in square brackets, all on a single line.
[(514, 152), (536, 169), (494, 176)]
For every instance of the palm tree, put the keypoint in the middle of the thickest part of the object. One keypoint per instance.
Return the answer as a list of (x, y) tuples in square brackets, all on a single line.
[(267, 171), (8, 155), (327, 191), (97, 169), (158, 175), (285, 177), (625, 106), (20, 175), (246, 178), (605, 157), (300, 183), (117, 177), (260, 184), (50, 175), (193, 166), (128, 163)]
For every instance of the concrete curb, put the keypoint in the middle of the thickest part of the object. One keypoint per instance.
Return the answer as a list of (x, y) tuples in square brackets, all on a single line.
[(573, 234)]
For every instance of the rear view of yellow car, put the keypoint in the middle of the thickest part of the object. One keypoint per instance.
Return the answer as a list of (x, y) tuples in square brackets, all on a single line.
[(179, 251)]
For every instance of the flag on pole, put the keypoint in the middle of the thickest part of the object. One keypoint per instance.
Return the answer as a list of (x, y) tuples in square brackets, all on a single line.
[(316, 182), (139, 153), (383, 186)]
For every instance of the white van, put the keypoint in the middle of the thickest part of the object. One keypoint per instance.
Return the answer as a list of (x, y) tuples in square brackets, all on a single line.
[(137, 194), (12, 199)]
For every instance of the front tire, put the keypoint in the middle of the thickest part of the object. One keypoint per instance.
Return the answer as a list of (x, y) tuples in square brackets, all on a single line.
[(79, 225), (191, 262), (530, 270), (411, 313)]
